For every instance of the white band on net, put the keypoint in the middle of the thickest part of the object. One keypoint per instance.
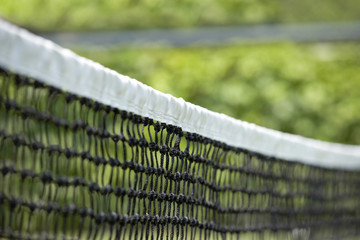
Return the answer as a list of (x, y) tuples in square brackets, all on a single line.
[(39, 58)]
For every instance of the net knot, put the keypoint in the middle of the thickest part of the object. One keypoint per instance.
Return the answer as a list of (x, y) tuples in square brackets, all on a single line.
[(166, 219), (44, 116), (117, 137), (119, 191), (134, 219), (31, 206), (115, 110), (149, 170), (185, 154), (53, 90), (206, 140), (100, 218), (13, 202), (177, 176), (85, 101), (145, 218), (27, 173), (152, 195), (216, 144), (19, 140), (77, 125), (141, 194), (113, 218), (99, 160), (153, 146), (162, 197), (19, 79), (193, 222), (170, 129), (106, 190), (129, 164), (85, 155), (168, 174), (188, 136), (7, 169), (160, 171), (97, 106), (155, 219), (175, 220), (37, 145), (156, 127), (223, 167), (94, 187), (125, 165), (90, 212), (11, 105), (164, 149), (171, 197), (197, 158), (62, 181), (174, 152), (178, 131), (28, 112), (83, 212), (180, 198), (70, 97), (114, 162), (137, 119), (124, 115), (133, 141), (146, 121), (139, 168), (200, 180), (51, 207), (70, 209), (78, 181), (209, 225), (91, 131), (46, 177), (131, 193), (143, 143), (70, 152), (188, 177), (38, 84), (61, 122), (190, 200), (184, 221), (103, 133), (124, 219)]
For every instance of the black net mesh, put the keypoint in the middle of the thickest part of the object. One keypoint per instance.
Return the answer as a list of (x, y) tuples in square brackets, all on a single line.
[(72, 168)]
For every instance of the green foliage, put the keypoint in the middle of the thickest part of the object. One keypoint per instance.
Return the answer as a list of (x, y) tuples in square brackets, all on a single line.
[(311, 90), (45, 15)]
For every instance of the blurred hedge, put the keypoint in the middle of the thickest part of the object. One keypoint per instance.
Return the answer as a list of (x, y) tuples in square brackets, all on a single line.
[(312, 90), (79, 15)]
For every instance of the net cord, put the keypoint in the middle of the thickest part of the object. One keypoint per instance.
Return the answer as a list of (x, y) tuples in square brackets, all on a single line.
[(28, 54)]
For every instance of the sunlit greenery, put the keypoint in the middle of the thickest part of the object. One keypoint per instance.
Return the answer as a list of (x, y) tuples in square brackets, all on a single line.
[(312, 90), (51, 15)]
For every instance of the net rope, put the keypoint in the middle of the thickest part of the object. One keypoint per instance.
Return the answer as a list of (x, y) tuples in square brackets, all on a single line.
[(73, 168)]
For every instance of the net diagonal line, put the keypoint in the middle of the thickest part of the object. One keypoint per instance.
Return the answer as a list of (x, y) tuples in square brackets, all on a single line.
[(73, 168)]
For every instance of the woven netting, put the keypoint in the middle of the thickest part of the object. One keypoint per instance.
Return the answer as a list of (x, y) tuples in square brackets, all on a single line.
[(72, 168)]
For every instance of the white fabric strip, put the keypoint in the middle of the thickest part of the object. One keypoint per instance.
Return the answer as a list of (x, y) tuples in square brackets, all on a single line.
[(33, 56)]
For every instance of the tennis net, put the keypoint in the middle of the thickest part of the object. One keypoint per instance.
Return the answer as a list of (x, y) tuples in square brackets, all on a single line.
[(86, 153)]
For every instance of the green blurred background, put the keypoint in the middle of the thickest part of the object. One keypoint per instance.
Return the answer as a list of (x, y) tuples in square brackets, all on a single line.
[(309, 89)]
